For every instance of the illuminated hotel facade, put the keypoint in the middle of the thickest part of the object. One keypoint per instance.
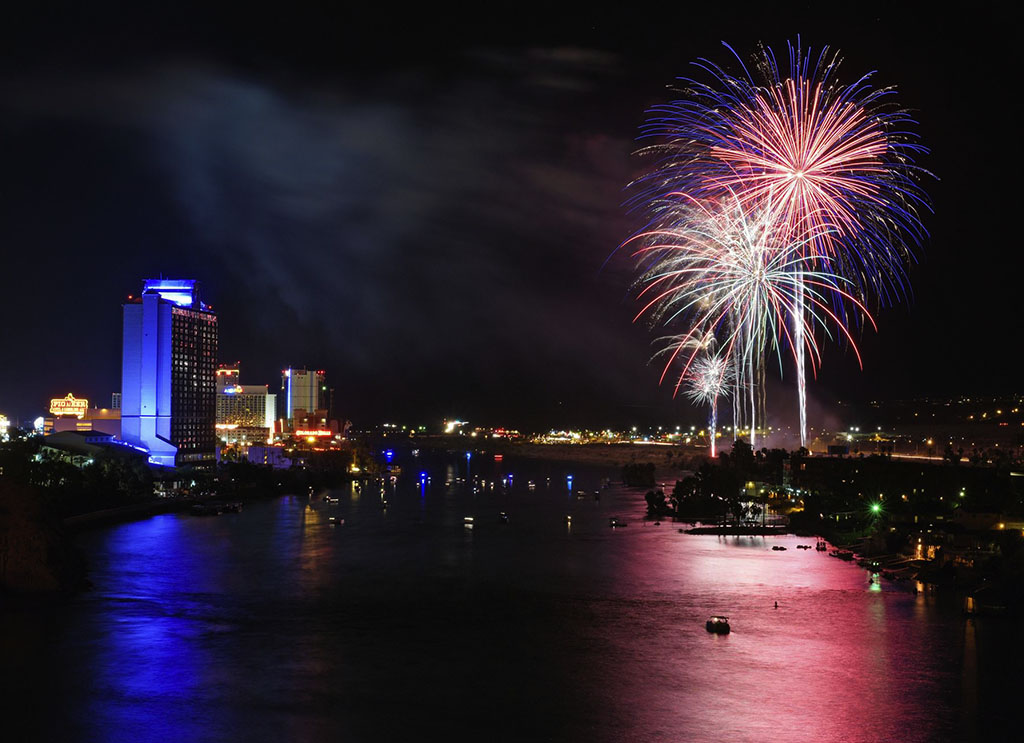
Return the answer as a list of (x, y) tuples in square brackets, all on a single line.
[(245, 412), (304, 390), (168, 381)]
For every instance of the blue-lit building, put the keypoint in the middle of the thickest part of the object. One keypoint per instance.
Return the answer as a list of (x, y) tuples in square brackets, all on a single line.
[(168, 373)]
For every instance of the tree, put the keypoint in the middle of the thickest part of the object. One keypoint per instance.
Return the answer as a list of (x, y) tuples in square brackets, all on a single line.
[(951, 456), (638, 474)]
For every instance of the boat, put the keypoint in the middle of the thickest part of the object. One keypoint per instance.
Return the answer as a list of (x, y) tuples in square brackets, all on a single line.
[(778, 548), (718, 625), (803, 546), (821, 546), (614, 522), (842, 555)]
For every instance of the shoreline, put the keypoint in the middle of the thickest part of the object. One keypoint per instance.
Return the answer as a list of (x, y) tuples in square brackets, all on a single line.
[(123, 514), (139, 511)]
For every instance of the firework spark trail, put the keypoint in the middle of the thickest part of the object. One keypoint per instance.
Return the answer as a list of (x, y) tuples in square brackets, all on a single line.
[(710, 378), (715, 268), (827, 165)]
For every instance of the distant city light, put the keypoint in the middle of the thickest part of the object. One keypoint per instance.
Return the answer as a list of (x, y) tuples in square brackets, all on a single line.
[(453, 426)]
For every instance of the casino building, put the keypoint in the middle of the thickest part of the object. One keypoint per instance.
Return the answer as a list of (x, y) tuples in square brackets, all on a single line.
[(168, 374), (304, 392), (307, 403), (246, 413), (71, 413)]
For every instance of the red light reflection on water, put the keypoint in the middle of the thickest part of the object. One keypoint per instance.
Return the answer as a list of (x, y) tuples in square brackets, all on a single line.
[(840, 659)]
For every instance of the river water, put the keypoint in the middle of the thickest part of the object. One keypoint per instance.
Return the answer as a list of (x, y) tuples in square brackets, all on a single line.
[(403, 623)]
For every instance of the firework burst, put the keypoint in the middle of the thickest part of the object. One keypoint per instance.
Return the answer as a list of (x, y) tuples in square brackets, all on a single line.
[(710, 378), (718, 270), (823, 171), (816, 155)]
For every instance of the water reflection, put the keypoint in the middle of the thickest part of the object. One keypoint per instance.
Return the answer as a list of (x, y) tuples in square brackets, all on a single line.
[(969, 680), (279, 624)]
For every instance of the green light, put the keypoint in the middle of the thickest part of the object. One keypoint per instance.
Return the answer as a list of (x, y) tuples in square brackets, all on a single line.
[(876, 507)]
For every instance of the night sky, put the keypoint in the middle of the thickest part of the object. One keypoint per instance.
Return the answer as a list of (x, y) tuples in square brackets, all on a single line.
[(425, 205)]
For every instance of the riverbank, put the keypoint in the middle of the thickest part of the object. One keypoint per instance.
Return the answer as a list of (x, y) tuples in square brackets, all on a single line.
[(36, 556), (148, 509), (121, 514)]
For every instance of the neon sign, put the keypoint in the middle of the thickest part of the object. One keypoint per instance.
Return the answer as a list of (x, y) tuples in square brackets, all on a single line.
[(314, 432), (69, 405)]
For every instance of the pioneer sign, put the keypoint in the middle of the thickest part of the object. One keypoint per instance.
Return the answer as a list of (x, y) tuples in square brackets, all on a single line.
[(69, 405)]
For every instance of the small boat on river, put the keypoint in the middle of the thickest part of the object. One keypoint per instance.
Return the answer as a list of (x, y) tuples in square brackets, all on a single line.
[(718, 625)]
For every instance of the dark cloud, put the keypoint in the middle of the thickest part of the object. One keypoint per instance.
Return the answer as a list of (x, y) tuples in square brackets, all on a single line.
[(458, 225), (424, 206)]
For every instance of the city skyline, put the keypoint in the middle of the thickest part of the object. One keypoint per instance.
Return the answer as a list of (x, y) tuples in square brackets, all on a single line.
[(430, 212)]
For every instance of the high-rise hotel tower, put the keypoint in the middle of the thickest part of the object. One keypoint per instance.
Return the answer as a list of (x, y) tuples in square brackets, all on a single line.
[(168, 373), (304, 390)]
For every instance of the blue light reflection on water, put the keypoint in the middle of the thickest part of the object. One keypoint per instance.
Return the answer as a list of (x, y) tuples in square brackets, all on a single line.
[(279, 624)]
